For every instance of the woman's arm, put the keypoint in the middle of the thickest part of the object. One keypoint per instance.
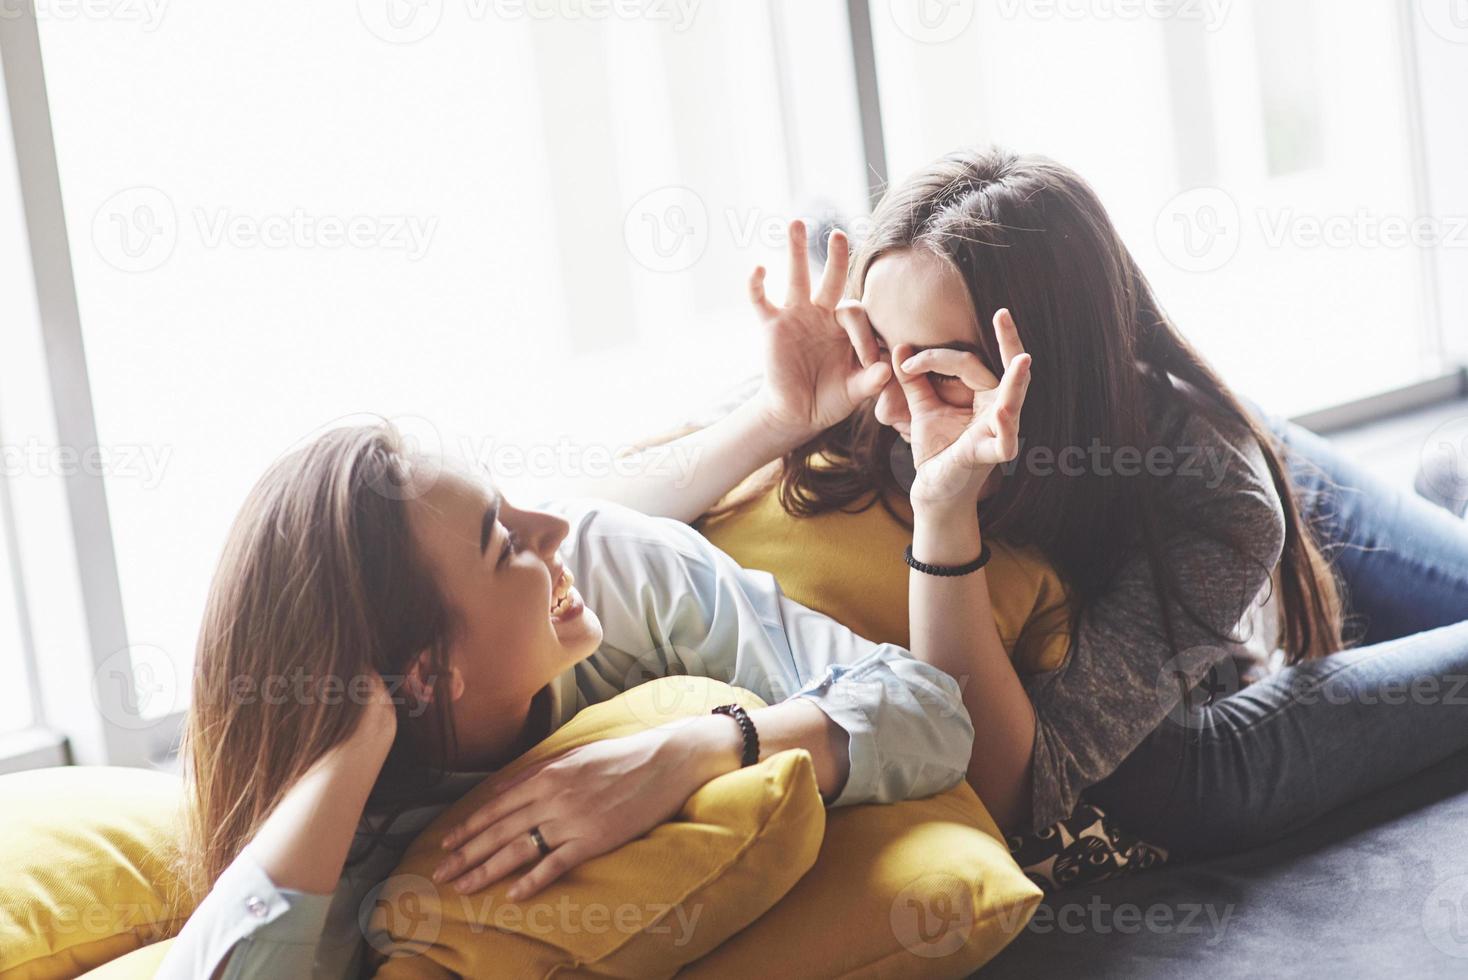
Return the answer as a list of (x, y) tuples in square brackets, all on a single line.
[(264, 915), (956, 448), (952, 627), (879, 725), (716, 459), (813, 379)]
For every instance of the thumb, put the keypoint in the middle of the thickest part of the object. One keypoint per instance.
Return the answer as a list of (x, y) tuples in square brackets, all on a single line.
[(916, 387), (869, 381)]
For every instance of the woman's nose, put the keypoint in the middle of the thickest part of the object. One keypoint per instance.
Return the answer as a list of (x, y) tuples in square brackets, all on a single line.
[(550, 531), (892, 405)]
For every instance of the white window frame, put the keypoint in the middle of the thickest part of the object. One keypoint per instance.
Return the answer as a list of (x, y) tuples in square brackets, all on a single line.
[(73, 624)]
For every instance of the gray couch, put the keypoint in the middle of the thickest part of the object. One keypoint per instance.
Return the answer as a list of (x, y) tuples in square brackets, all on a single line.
[(1379, 889)]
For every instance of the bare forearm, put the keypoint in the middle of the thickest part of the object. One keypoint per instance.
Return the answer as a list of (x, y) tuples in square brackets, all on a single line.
[(684, 478), (794, 724), (303, 844), (952, 627)]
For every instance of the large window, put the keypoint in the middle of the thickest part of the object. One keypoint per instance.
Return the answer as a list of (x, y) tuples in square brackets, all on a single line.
[(1258, 157), (526, 238), (523, 230)]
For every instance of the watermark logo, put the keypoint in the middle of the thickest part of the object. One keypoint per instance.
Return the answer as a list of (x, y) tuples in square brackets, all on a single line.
[(401, 916), (146, 463), (135, 686), (1445, 916), (1191, 681), (1200, 230), (933, 916), (400, 21), (410, 21), (1212, 14), (1442, 474), (146, 14), (932, 21), (1095, 916), (1448, 19), (566, 458), (667, 230), (136, 230)]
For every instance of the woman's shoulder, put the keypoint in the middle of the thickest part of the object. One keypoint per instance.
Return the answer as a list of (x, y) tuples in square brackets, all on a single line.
[(1216, 471)]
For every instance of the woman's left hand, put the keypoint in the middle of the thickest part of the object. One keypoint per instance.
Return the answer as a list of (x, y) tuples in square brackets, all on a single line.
[(585, 802), (959, 437)]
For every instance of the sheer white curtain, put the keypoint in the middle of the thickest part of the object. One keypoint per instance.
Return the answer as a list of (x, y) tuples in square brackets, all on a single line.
[(523, 233), (1258, 157)]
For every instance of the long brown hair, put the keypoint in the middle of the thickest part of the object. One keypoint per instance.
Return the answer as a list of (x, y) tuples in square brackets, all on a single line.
[(319, 585), (1030, 234)]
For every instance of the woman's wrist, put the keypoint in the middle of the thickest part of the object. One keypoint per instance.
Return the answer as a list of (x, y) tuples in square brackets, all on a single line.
[(777, 436), (946, 535)]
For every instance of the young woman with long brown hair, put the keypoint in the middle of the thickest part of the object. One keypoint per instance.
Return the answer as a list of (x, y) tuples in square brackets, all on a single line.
[(386, 630), (1191, 531)]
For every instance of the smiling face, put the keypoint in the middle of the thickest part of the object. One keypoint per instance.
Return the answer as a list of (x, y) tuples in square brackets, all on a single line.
[(914, 296), (519, 622)]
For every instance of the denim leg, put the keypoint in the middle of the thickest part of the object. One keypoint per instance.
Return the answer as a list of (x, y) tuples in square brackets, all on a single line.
[(1284, 751), (1404, 561)]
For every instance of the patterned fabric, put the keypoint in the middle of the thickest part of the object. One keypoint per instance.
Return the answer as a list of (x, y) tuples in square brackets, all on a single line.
[(1085, 848)]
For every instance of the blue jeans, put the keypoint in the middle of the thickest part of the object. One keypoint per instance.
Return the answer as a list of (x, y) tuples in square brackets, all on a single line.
[(1270, 757)]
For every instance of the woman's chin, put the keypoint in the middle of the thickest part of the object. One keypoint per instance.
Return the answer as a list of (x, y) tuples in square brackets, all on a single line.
[(580, 634)]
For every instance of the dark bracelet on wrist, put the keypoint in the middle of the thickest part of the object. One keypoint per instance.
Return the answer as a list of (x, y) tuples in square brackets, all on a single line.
[(948, 570), (746, 726)]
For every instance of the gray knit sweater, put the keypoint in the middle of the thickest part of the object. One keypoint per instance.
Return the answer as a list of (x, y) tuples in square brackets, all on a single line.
[(1119, 680)]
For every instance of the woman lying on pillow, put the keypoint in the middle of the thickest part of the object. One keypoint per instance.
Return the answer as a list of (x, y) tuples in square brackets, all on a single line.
[(384, 630)]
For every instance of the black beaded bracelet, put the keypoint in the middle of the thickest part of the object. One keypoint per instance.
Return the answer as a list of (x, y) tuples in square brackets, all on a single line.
[(746, 725), (949, 570)]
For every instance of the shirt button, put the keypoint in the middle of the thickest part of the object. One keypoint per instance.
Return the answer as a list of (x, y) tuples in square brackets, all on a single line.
[(256, 906)]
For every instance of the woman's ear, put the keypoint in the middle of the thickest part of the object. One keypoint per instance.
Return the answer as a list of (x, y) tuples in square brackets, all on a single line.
[(421, 683)]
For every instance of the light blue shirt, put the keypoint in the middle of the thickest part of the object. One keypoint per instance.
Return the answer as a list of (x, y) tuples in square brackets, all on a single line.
[(670, 602)]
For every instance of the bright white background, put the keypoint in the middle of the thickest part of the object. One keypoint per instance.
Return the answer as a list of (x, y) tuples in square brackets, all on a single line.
[(522, 234)]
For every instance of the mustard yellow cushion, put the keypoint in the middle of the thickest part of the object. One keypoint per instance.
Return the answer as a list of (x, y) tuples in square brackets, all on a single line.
[(849, 566), (140, 964), (921, 889), (642, 911), (85, 867)]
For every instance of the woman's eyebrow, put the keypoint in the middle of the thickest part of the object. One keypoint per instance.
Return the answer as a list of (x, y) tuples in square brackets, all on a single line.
[(486, 525), (967, 346)]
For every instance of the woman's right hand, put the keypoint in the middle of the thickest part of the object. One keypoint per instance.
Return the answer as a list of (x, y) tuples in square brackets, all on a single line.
[(814, 373)]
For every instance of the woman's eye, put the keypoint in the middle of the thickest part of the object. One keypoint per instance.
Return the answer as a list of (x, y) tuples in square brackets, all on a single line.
[(512, 545), (937, 378)]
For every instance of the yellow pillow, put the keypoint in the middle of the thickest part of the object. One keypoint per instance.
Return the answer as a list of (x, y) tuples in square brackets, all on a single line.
[(849, 566), (85, 870), (919, 889), (641, 911), (140, 964)]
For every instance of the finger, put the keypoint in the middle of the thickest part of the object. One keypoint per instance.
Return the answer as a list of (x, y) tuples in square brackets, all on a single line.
[(1007, 333), (551, 867), (1010, 398), (757, 293), (852, 317), (799, 291), (961, 364), (833, 279), (1005, 413), (871, 380), (480, 847), (516, 852), (916, 387), (516, 793)]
